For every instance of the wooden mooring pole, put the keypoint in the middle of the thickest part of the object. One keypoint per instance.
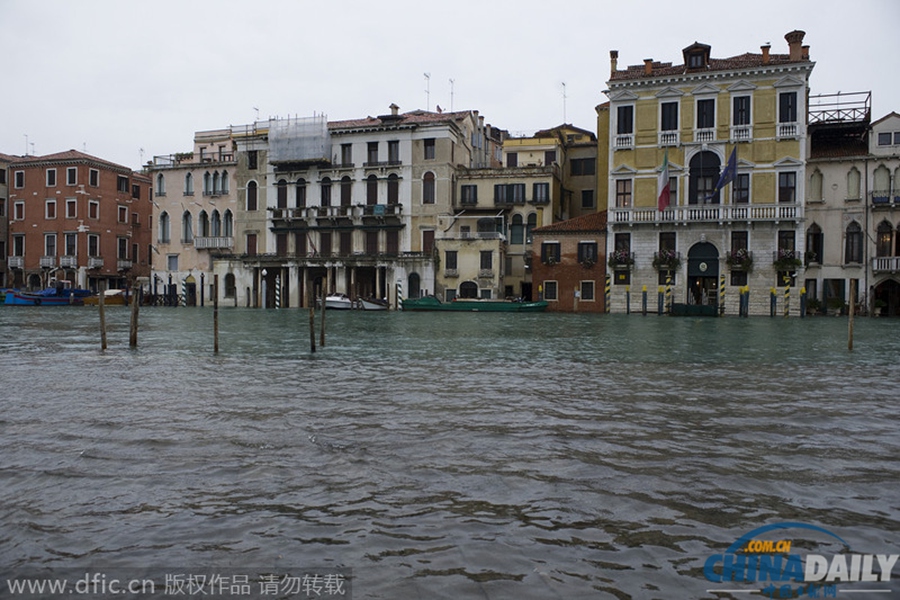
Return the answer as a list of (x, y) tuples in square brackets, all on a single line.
[(133, 335), (312, 319), (324, 295), (216, 313), (102, 310), (850, 318)]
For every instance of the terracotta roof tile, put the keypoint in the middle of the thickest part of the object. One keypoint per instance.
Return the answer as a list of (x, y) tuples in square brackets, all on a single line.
[(741, 61), (593, 222), (71, 155), (416, 117)]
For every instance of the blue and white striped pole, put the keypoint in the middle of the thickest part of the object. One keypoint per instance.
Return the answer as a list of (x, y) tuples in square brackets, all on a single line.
[(399, 295)]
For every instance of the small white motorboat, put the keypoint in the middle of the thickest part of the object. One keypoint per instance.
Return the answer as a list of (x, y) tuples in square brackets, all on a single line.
[(338, 302), (373, 304)]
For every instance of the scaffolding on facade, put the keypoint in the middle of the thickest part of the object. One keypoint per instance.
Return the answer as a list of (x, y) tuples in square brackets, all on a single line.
[(299, 140)]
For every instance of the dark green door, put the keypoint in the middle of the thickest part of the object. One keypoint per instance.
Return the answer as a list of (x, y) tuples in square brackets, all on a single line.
[(703, 274)]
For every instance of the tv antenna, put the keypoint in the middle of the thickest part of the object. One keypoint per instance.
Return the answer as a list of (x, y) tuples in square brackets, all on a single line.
[(451, 95), (427, 91), (564, 100)]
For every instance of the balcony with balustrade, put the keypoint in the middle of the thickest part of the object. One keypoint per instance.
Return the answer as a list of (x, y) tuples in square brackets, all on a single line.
[(886, 264), (708, 213)]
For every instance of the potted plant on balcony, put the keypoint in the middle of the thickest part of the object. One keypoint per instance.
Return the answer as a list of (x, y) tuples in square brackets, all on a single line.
[(740, 260), (666, 260), (621, 259), (786, 260)]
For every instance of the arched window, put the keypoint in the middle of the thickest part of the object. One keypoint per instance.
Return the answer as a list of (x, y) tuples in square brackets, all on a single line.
[(224, 182), (216, 224), (165, 228), (815, 186), (704, 172), (853, 184), (881, 188), (815, 244), (281, 193), (160, 185), (532, 223), (371, 190), (252, 196), (300, 189), (415, 284), (884, 239), (188, 185), (517, 230), (346, 190), (187, 228), (216, 184), (853, 249), (393, 185), (228, 225), (203, 224), (428, 188), (325, 188), (230, 287), (207, 183)]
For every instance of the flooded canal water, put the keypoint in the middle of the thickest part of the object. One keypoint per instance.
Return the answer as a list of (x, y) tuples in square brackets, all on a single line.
[(428, 455)]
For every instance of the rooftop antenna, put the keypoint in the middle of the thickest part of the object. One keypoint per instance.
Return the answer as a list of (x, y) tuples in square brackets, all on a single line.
[(26, 143), (564, 100), (257, 112), (141, 152), (427, 91), (451, 95)]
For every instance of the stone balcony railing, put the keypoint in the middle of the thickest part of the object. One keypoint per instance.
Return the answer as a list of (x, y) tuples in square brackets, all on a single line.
[(886, 264), (708, 213)]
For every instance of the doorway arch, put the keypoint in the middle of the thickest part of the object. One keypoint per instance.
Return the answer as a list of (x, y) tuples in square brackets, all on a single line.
[(703, 274), (468, 289)]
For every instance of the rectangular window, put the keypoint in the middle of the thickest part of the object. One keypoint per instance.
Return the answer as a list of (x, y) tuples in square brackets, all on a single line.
[(19, 179), (252, 160), (550, 291), (740, 110), (512, 159), (450, 259), (673, 191), (587, 198), (371, 243), (93, 209), (50, 210), (884, 139), (587, 252), (94, 178), (122, 184), (19, 211), (50, 244), (51, 177), (372, 153), (172, 264), (325, 243), (549, 157), (72, 176), (469, 194), (587, 291), (18, 245), (625, 120), (668, 116), (787, 107), (135, 191), (787, 187), (346, 155), (122, 248), (487, 260), (582, 166), (740, 191), (550, 253), (541, 192), (706, 113), (93, 245), (394, 152), (71, 244), (623, 193), (429, 149), (251, 244), (346, 243), (123, 214)]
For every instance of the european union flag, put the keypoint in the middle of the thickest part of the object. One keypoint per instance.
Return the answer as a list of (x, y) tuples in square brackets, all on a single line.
[(729, 173)]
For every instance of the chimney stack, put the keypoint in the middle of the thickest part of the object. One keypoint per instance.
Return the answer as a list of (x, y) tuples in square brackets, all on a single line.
[(795, 42), (765, 53), (648, 66), (394, 108), (804, 52), (613, 61)]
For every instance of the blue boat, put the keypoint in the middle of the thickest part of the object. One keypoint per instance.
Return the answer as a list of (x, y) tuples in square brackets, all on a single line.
[(58, 295)]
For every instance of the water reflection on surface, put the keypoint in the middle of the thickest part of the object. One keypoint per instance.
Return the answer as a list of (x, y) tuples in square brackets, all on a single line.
[(442, 456)]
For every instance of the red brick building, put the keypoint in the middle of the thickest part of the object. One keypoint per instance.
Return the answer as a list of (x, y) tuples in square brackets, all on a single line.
[(76, 217), (569, 264)]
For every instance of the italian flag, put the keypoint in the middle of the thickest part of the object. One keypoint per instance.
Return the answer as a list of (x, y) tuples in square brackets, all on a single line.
[(664, 189)]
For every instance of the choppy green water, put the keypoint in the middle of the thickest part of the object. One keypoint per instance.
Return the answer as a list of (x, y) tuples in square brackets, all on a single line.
[(441, 455)]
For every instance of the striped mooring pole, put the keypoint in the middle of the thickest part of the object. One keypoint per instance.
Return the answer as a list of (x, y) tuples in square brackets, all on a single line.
[(182, 300), (787, 295), (721, 294), (278, 291), (608, 293), (399, 295), (669, 294)]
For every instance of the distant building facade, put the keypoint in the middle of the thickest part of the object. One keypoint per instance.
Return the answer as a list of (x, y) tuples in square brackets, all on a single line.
[(78, 218)]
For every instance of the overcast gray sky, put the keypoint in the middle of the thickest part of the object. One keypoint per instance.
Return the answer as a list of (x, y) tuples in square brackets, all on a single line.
[(124, 80)]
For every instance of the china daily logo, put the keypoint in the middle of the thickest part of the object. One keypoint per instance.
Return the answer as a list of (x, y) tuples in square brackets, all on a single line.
[(779, 571)]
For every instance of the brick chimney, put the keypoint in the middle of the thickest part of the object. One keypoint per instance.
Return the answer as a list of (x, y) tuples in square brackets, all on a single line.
[(805, 52), (765, 53), (613, 61), (795, 43), (648, 66), (394, 108)]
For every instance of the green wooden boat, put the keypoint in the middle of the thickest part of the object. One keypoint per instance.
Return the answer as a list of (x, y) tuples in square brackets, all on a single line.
[(472, 305)]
